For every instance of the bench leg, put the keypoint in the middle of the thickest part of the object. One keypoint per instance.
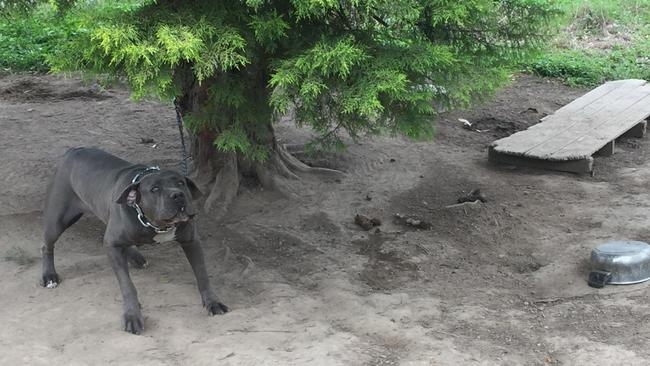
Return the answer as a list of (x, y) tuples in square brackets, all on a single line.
[(637, 131), (607, 150)]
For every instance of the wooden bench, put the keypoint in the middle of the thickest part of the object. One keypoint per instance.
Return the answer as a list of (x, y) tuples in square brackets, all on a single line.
[(567, 139)]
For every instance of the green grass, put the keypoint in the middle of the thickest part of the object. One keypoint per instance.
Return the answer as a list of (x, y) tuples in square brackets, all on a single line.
[(593, 67), (600, 40)]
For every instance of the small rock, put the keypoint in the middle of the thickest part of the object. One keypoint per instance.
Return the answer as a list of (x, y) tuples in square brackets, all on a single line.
[(549, 360), (412, 221), (365, 222), (473, 196)]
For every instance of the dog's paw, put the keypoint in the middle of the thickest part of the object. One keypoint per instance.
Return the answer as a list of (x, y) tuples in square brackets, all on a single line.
[(215, 307), (133, 322), (50, 280)]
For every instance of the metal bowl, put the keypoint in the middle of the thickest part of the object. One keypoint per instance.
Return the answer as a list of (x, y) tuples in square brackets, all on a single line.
[(620, 263)]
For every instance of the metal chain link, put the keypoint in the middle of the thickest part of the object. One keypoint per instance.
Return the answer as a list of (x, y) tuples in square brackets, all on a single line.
[(179, 122)]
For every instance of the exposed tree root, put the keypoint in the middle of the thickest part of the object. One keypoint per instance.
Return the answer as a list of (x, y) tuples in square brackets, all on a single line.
[(279, 173), (225, 186), (277, 163), (293, 163), (275, 175)]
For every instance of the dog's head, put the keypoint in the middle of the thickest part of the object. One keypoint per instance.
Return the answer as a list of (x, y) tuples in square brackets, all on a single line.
[(165, 197)]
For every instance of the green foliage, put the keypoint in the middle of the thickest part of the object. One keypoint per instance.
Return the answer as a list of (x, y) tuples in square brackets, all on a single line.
[(16, 6), (25, 41), (362, 66), (591, 16), (269, 29), (591, 67), (116, 42), (236, 139), (602, 40)]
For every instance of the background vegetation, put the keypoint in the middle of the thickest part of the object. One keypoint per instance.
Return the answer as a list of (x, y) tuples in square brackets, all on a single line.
[(598, 40)]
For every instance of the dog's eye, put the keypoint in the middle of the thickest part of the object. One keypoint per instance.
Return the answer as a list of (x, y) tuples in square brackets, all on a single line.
[(155, 189)]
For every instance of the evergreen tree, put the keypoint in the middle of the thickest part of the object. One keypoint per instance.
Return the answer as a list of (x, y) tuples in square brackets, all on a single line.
[(358, 66)]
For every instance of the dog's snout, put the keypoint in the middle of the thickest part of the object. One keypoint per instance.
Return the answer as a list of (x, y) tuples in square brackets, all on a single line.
[(178, 196)]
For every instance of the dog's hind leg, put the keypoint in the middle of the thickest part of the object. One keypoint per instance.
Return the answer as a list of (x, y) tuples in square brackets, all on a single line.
[(61, 211), (136, 258)]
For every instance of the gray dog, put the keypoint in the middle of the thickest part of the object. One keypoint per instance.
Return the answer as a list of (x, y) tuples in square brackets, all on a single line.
[(138, 204)]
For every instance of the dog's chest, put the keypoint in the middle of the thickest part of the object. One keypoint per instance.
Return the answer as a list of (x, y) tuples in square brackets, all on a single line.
[(166, 236)]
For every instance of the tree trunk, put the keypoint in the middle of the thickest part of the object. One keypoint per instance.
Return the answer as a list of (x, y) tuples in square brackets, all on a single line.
[(219, 173)]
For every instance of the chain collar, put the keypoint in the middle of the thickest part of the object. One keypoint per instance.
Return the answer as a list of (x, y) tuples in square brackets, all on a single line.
[(146, 223), (138, 177), (141, 217)]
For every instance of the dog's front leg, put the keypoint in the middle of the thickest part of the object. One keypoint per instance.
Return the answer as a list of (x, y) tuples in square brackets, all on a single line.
[(132, 320), (194, 253)]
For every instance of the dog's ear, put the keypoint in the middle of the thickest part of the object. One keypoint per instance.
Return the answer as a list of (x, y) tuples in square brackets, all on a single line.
[(194, 190), (129, 195)]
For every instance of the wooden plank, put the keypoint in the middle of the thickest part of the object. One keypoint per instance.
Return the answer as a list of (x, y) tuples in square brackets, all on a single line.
[(574, 166), (567, 139), (616, 101), (594, 101), (578, 150), (553, 125), (612, 113), (591, 97), (600, 134)]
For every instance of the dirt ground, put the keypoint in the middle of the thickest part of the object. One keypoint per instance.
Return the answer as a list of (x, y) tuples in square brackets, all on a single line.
[(497, 283)]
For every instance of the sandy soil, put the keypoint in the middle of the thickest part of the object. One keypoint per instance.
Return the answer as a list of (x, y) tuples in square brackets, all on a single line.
[(499, 283)]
